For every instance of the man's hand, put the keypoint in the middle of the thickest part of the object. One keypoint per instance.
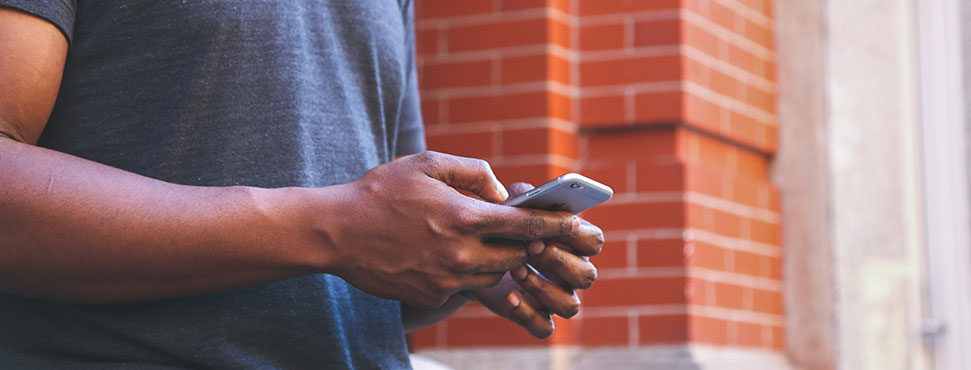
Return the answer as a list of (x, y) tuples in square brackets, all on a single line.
[(404, 232), (529, 297)]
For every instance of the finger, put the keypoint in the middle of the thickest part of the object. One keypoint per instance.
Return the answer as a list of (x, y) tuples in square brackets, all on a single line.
[(561, 266), (519, 188), (587, 240), (470, 174), (525, 224), (481, 280), (522, 312), (552, 297), (495, 257)]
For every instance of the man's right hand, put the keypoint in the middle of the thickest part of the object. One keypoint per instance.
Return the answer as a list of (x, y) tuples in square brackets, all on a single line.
[(404, 232)]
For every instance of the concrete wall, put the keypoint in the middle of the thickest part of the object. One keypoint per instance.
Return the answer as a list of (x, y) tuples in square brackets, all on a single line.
[(801, 171), (848, 172)]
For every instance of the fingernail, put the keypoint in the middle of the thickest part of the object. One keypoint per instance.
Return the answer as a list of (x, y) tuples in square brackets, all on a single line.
[(536, 247), (502, 191), (520, 273), (576, 224), (513, 299)]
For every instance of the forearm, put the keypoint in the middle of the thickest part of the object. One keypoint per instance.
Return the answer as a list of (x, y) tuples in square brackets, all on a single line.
[(77, 231), (415, 318)]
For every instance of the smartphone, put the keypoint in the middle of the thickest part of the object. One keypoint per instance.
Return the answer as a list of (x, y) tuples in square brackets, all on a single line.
[(572, 193)]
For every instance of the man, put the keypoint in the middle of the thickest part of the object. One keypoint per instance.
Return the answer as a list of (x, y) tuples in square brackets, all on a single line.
[(210, 184)]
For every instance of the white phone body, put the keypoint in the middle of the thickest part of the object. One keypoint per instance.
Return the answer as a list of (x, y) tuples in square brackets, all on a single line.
[(572, 193)]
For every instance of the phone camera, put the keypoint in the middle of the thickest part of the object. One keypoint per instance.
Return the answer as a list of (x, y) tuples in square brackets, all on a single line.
[(576, 186)]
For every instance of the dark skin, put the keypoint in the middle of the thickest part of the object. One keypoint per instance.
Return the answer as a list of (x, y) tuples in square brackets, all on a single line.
[(402, 231)]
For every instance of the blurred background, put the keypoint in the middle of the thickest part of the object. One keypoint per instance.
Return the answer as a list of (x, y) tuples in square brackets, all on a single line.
[(791, 176)]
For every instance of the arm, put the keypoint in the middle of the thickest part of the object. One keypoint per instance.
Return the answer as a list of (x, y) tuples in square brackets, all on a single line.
[(72, 230)]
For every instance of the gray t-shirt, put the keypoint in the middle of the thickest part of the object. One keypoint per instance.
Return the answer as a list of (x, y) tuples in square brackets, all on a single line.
[(217, 93)]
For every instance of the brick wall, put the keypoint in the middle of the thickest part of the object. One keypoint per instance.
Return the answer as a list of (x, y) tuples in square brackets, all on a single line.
[(670, 102)]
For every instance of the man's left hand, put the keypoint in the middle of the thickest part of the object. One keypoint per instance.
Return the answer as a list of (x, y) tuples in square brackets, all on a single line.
[(547, 283)]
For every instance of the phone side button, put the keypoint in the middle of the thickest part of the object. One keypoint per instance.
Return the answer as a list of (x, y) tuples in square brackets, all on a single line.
[(532, 192)]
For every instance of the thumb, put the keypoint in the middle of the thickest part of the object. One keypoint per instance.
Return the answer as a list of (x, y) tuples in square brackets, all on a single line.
[(471, 174)]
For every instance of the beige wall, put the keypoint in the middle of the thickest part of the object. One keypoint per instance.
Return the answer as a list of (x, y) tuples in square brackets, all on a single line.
[(849, 176)]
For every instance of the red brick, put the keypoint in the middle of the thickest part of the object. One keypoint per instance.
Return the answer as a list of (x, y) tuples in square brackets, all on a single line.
[(702, 112), (727, 224), (745, 190), (429, 111), (747, 130), (559, 70), (775, 202), (611, 174), (724, 84), (604, 331), (425, 338), (707, 256), (709, 330), (561, 107), (488, 331), (763, 6), (461, 74), (700, 39), (775, 268), (635, 145), (427, 9), (663, 329), (764, 232), (772, 138), (745, 60), (728, 295), (501, 107), (778, 338), (613, 255), (478, 144), (561, 5), (760, 99), (660, 253), (721, 15), (695, 71), (657, 32), (632, 70), (706, 180), (634, 216), (635, 291), (559, 34), (427, 41), (750, 264), (663, 107), (699, 217), (758, 34), (562, 143), (697, 292), (539, 141), (603, 110), (751, 164), (596, 7), (706, 151), (602, 37), (766, 301), (533, 174), (533, 68), (660, 177), (749, 334), (498, 35)]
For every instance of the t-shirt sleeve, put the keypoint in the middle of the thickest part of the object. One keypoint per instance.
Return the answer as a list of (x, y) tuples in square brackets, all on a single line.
[(61, 13), (411, 130)]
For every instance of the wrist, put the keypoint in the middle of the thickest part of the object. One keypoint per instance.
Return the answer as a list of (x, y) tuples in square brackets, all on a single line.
[(303, 219)]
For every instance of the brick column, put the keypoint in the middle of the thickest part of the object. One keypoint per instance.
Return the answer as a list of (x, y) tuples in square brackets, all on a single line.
[(670, 102)]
